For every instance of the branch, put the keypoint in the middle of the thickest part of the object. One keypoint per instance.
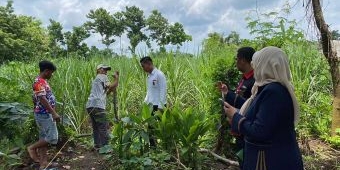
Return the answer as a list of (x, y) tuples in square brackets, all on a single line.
[(180, 163), (83, 135), (218, 157)]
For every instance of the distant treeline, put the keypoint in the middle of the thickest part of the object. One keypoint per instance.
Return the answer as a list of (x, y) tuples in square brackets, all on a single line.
[(23, 37)]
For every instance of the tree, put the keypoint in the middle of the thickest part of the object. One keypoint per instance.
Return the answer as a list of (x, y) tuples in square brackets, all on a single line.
[(120, 28), (177, 35), (56, 37), (105, 24), (159, 28), (134, 20), (335, 35), (331, 56), (21, 37), (233, 38), (74, 40)]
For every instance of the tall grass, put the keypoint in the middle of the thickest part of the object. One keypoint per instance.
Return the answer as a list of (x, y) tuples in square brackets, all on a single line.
[(71, 83), (190, 82)]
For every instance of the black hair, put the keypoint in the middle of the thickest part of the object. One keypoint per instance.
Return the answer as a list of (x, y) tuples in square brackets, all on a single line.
[(146, 59), (47, 65), (246, 53)]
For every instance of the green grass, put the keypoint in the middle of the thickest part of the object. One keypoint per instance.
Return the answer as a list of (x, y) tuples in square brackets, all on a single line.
[(191, 83), (71, 83)]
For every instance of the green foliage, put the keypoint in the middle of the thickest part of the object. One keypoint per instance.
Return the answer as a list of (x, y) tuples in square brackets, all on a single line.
[(105, 24), (152, 160), (177, 35), (164, 33), (74, 41), (12, 115), (8, 159), (56, 38), (233, 38), (159, 27), (134, 20), (335, 35), (22, 37), (131, 135), (273, 29), (188, 123)]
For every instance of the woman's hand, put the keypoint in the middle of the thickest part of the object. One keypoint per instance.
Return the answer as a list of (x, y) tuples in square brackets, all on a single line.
[(229, 110)]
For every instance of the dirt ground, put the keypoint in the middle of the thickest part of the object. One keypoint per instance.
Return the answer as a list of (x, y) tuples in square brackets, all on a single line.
[(318, 156), (71, 158)]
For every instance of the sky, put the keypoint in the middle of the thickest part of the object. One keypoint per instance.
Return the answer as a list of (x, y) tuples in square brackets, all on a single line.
[(199, 17)]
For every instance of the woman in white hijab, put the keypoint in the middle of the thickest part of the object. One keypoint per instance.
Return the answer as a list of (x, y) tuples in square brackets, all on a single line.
[(267, 120)]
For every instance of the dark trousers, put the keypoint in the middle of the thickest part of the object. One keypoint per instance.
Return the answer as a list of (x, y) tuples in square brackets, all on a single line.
[(100, 125), (152, 138)]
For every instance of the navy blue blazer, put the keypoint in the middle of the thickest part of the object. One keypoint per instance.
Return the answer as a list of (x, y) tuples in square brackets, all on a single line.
[(268, 130)]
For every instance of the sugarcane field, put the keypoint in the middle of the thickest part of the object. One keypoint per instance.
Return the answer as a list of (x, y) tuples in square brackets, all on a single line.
[(169, 85)]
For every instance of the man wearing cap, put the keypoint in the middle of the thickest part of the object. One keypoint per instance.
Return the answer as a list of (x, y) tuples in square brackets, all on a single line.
[(96, 104)]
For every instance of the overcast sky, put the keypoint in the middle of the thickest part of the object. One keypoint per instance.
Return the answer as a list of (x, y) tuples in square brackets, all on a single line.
[(199, 17)]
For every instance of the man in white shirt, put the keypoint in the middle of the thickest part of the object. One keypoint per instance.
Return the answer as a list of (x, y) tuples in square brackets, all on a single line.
[(156, 89), (156, 85), (96, 104)]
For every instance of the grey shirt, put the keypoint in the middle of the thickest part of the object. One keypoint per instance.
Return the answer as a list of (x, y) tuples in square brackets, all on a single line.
[(97, 98)]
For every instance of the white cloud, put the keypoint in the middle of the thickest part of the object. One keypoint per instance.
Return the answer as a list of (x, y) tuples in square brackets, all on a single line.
[(199, 17)]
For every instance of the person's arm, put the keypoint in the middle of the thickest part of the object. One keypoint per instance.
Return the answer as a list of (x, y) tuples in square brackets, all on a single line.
[(162, 90), (235, 100), (40, 92), (230, 96), (114, 85), (43, 100), (267, 119)]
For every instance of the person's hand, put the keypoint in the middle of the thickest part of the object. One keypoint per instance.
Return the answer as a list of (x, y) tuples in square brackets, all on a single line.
[(222, 87), (116, 75), (56, 117), (229, 110)]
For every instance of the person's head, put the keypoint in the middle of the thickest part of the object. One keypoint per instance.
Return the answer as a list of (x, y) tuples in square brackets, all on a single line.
[(103, 69), (147, 64), (47, 69), (271, 64), (243, 59)]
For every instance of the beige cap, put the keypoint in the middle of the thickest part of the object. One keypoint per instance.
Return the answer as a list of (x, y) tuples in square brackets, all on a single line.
[(106, 67)]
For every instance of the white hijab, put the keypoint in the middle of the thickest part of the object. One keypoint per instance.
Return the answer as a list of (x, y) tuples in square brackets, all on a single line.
[(271, 65)]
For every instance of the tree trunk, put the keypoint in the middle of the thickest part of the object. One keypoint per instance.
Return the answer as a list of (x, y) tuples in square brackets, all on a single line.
[(336, 111), (332, 59)]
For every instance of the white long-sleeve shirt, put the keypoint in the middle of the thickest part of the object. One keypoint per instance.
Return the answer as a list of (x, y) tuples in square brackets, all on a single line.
[(156, 88)]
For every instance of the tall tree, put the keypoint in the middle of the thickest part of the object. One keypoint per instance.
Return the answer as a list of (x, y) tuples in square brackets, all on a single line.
[(21, 37), (233, 38), (159, 28), (103, 23), (134, 21), (177, 35), (331, 56), (56, 37), (120, 28), (75, 40)]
